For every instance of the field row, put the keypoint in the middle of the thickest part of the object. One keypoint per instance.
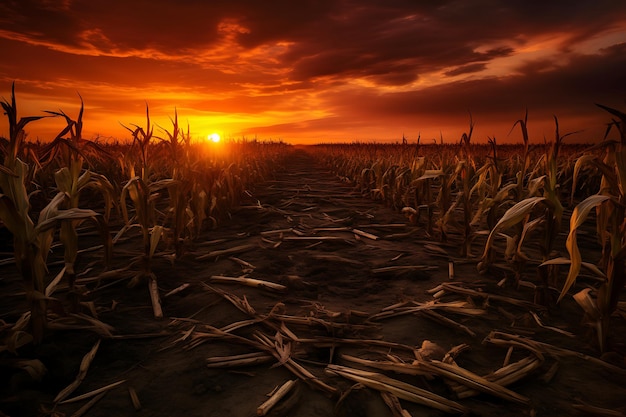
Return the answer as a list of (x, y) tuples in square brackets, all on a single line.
[(171, 190)]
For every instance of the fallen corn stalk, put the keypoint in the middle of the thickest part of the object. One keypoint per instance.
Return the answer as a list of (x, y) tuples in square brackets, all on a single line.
[(460, 307), (394, 405), (293, 366), (364, 234), (554, 329), (93, 393), (245, 359), (501, 338), (504, 376), (227, 252), (313, 238), (264, 408), (471, 380), (241, 304), (398, 367), (87, 406), (250, 282), (447, 321), (403, 268), (177, 289), (399, 389), (501, 298)]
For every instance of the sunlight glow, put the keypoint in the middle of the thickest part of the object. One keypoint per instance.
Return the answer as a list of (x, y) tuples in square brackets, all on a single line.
[(213, 137)]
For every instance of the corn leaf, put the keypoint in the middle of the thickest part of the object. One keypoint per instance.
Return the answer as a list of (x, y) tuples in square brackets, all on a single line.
[(155, 236), (69, 214), (579, 215), (584, 300), (582, 160), (513, 216), (431, 174), (564, 261), (84, 367)]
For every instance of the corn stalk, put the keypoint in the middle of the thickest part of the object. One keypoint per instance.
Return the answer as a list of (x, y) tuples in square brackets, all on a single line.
[(32, 241), (466, 173), (142, 192), (71, 181), (543, 206), (521, 174), (181, 186), (610, 206)]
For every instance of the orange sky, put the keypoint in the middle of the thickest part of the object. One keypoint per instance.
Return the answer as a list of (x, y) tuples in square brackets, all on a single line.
[(317, 71)]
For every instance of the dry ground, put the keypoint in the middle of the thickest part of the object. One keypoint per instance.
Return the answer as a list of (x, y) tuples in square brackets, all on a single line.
[(298, 229)]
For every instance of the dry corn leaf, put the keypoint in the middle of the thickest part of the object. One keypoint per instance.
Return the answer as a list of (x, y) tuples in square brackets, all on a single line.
[(394, 405), (53, 284), (82, 373), (227, 252), (250, 282), (93, 393), (504, 376), (399, 389), (465, 377), (238, 360), (295, 367), (579, 215), (398, 367), (87, 406)]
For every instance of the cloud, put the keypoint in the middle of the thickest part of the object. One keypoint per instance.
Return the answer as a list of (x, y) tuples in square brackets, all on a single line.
[(332, 64), (568, 91), (540, 85), (466, 69)]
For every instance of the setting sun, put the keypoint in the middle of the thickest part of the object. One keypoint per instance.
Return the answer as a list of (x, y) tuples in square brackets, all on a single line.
[(213, 137)]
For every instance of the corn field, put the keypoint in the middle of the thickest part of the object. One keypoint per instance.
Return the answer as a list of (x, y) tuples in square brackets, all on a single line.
[(513, 215), (515, 195), (165, 188)]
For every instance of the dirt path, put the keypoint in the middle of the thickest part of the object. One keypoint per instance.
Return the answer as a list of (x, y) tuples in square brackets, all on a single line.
[(343, 259)]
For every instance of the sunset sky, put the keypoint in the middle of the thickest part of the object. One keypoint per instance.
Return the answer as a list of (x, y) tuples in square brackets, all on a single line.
[(317, 71)]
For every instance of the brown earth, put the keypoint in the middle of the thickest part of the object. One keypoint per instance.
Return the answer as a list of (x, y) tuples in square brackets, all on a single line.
[(298, 229)]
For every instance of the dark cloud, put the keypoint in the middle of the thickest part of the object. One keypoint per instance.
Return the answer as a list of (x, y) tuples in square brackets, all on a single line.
[(360, 61), (466, 69), (113, 25), (584, 80), (434, 34), (428, 39)]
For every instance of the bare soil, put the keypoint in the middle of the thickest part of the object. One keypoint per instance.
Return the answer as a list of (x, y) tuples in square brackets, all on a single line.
[(297, 229)]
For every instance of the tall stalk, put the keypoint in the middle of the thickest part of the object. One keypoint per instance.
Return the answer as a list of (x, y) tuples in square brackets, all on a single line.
[(610, 206), (140, 190), (32, 241), (72, 179)]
